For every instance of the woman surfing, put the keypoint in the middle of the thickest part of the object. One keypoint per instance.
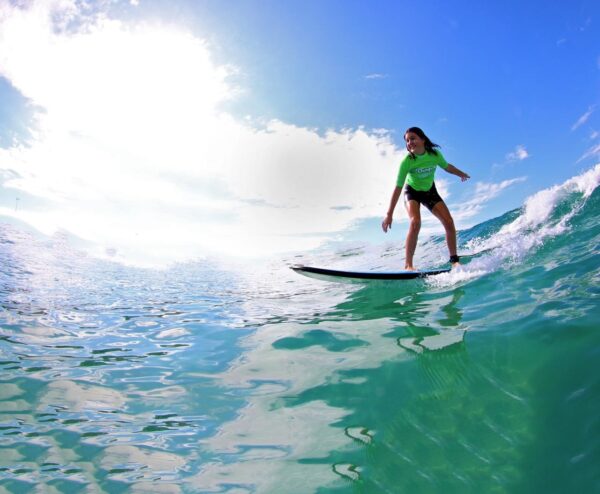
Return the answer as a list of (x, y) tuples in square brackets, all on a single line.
[(416, 174)]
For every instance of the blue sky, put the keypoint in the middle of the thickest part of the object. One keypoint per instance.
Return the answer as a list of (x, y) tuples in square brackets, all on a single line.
[(199, 126)]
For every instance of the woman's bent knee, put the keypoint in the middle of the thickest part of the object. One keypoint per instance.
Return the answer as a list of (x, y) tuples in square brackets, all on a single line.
[(415, 224)]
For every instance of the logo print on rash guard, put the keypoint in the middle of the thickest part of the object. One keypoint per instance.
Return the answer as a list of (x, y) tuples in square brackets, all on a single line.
[(423, 171)]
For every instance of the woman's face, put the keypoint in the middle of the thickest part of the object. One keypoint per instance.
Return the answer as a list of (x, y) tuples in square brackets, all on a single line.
[(414, 143)]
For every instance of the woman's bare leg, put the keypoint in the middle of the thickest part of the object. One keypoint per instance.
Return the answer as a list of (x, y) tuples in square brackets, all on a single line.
[(413, 208), (441, 212)]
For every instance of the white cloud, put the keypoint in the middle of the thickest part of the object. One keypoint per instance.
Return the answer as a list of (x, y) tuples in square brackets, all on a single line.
[(134, 151), (376, 76), (586, 24), (591, 152), (584, 118), (519, 154), (484, 192)]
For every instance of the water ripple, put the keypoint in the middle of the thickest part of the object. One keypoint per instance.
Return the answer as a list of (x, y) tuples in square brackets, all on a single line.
[(203, 378)]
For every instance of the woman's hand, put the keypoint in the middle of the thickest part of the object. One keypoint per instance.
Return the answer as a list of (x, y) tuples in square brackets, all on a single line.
[(387, 223)]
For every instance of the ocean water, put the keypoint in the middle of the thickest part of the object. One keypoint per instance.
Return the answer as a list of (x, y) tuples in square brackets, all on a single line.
[(210, 377)]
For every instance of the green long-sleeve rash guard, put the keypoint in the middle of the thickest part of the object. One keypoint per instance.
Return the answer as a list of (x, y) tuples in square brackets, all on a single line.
[(420, 171)]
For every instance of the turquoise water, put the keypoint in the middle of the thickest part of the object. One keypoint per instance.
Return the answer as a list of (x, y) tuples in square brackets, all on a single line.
[(205, 378)]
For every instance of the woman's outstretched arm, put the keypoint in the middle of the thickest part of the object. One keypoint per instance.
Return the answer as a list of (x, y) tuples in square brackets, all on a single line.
[(455, 171)]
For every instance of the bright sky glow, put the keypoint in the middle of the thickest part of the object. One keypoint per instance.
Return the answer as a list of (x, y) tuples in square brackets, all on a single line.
[(155, 135)]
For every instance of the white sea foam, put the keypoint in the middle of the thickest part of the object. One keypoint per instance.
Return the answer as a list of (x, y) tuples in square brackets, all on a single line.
[(539, 206), (528, 231)]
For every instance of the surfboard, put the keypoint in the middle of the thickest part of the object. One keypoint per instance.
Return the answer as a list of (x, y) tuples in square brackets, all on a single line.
[(363, 276)]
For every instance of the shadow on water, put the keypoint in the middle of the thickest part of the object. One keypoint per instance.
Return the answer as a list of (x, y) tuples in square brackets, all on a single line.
[(410, 416)]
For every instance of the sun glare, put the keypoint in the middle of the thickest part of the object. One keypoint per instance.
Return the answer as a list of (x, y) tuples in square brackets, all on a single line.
[(134, 152)]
